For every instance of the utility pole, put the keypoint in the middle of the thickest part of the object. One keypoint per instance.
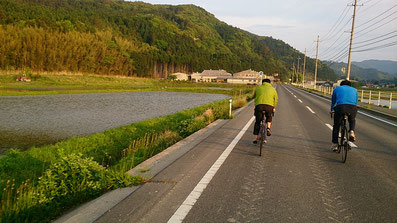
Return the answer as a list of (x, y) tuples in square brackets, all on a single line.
[(293, 73), (298, 69), (304, 69), (315, 71), (351, 41)]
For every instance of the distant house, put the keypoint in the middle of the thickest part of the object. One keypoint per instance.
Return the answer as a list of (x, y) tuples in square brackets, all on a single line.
[(249, 77), (243, 80), (247, 73), (211, 76), (339, 81), (181, 76)]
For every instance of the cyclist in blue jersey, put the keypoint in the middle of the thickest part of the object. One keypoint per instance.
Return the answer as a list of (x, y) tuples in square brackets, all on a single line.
[(344, 101)]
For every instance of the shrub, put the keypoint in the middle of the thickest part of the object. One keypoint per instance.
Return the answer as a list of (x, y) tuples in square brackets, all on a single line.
[(71, 174), (239, 102), (67, 182)]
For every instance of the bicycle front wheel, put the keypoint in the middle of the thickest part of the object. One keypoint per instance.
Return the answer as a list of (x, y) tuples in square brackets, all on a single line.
[(344, 144), (262, 139)]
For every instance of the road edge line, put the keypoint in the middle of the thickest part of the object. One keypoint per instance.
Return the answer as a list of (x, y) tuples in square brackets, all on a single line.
[(191, 199)]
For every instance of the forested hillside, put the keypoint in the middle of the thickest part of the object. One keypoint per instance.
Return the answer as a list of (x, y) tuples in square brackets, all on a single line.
[(134, 39)]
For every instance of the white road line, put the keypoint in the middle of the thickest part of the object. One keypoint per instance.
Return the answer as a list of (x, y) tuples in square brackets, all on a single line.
[(295, 96), (310, 109), (379, 119), (300, 100), (329, 126), (187, 205), (350, 143)]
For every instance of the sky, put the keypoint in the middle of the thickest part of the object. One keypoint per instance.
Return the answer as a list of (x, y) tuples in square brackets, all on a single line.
[(299, 22)]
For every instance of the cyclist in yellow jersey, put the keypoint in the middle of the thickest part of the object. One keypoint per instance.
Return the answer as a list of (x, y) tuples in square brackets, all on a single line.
[(265, 100)]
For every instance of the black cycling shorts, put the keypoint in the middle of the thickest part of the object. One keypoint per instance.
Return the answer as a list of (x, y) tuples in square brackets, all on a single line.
[(268, 109)]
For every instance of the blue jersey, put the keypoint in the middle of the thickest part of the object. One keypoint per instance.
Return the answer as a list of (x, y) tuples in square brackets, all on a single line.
[(344, 95)]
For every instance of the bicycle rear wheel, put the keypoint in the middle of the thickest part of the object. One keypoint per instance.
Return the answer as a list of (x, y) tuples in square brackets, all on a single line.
[(262, 138), (344, 143)]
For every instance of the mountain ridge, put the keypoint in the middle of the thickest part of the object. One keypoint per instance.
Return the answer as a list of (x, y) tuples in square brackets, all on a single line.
[(362, 74), (134, 39), (387, 66)]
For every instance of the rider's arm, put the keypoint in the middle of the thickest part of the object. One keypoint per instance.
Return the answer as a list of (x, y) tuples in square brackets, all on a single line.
[(275, 98), (333, 100), (356, 97)]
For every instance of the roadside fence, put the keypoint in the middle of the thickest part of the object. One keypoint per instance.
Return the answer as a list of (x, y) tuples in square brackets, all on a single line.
[(372, 97)]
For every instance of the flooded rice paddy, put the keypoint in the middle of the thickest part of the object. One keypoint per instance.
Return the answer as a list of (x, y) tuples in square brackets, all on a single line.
[(27, 121)]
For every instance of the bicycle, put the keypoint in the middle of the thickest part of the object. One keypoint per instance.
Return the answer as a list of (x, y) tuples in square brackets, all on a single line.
[(262, 134), (343, 139)]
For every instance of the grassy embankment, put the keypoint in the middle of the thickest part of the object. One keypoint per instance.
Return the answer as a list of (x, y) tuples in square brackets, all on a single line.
[(41, 183), (64, 83)]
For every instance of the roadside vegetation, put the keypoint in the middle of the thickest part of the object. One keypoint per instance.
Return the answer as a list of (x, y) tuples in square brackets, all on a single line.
[(43, 182), (67, 83)]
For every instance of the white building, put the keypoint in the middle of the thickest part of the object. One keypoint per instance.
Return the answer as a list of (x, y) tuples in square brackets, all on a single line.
[(245, 77), (181, 76), (211, 76)]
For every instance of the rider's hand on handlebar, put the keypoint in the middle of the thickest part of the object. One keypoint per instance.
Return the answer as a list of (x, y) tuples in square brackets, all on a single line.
[(331, 112), (274, 110)]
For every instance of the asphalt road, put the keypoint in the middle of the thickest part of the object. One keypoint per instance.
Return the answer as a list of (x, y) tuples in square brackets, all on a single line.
[(298, 178)]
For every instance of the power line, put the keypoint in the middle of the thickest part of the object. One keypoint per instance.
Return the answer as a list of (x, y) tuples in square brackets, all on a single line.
[(378, 47), (339, 35), (369, 44), (341, 29), (376, 27), (383, 13), (368, 7), (334, 26), (343, 49), (327, 50), (376, 37)]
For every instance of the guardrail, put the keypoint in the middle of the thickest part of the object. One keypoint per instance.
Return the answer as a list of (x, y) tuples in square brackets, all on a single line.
[(379, 98)]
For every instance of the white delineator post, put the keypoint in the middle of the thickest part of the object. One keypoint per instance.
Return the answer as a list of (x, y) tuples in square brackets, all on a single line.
[(391, 99), (379, 98), (362, 95), (230, 108), (369, 99)]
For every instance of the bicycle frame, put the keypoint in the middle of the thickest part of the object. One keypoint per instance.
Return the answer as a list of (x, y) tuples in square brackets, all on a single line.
[(343, 139), (262, 136)]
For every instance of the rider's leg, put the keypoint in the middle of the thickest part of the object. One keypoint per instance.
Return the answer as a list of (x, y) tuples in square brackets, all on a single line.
[(338, 116), (269, 113), (352, 110), (258, 118)]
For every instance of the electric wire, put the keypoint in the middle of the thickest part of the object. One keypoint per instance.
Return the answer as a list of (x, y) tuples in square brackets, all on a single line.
[(383, 13), (375, 28), (327, 51), (335, 26), (368, 7), (343, 49), (341, 33), (369, 44), (374, 38), (377, 47)]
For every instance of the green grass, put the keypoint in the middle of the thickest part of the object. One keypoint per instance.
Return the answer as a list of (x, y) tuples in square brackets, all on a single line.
[(41, 183), (85, 83)]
